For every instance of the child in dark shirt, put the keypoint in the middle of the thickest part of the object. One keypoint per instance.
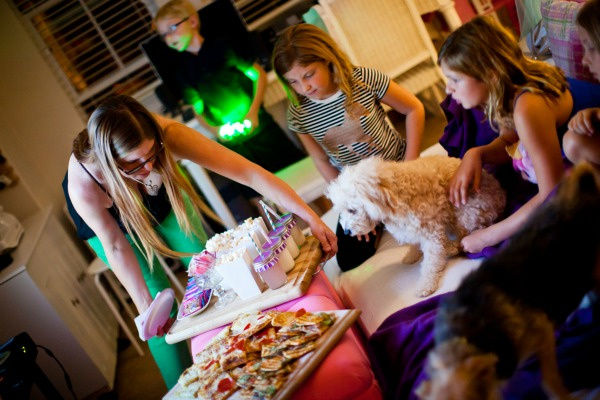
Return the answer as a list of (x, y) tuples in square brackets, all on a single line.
[(225, 86)]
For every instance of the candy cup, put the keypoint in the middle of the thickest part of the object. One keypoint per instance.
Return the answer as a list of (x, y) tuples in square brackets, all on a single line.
[(267, 265), (201, 263), (289, 221), (279, 247), (286, 235)]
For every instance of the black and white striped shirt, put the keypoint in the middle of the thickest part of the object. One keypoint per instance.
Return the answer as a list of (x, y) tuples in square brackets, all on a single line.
[(348, 136)]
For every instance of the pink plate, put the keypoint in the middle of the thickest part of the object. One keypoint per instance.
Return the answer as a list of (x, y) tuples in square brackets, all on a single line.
[(158, 313)]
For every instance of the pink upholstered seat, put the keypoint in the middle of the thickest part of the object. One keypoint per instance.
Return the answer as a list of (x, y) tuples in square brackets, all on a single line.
[(346, 363)]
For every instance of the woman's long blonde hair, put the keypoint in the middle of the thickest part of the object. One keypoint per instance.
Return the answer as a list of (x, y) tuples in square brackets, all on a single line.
[(305, 44), (116, 128), (487, 51)]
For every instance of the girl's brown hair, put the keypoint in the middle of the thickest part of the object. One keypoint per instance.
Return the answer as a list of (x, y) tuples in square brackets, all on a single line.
[(305, 44), (117, 127), (588, 18), (488, 52)]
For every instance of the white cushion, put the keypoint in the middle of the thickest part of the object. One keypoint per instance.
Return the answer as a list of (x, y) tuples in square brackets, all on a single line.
[(385, 283)]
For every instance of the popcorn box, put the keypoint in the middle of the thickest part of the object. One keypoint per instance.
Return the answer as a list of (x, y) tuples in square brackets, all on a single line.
[(242, 241), (238, 272), (256, 227)]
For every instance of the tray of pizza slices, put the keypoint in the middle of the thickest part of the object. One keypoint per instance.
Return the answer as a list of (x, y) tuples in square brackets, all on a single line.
[(263, 355), (298, 282)]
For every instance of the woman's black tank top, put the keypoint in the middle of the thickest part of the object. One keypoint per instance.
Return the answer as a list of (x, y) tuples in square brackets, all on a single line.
[(158, 206)]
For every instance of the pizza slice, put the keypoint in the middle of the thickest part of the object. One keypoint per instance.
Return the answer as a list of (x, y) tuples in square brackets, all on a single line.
[(308, 319), (247, 325), (272, 349), (198, 388), (283, 319), (299, 351), (267, 387), (256, 341), (301, 339), (233, 357), (272, 363), (221, 387), (246, 380)]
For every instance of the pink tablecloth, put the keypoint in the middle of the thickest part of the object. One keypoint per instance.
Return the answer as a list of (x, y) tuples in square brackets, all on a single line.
[(347, 362)]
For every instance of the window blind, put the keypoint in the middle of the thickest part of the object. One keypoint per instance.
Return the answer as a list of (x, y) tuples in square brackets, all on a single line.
[(91, 45)]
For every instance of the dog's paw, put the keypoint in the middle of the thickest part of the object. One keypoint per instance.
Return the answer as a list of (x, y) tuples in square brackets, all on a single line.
[(425, 288)]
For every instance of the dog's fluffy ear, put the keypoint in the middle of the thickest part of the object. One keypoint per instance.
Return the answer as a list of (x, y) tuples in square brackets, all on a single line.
[(355, 182), (383, 196)]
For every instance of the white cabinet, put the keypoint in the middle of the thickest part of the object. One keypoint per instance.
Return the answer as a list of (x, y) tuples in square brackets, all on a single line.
[(47, 293)]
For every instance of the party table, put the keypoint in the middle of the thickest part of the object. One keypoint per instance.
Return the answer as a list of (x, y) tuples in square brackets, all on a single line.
[(345, 362)]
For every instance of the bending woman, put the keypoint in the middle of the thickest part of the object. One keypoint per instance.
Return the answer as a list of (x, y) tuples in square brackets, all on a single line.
[(129, 199)]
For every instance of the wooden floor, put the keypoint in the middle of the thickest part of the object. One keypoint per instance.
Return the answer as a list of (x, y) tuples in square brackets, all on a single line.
[(139, 378)]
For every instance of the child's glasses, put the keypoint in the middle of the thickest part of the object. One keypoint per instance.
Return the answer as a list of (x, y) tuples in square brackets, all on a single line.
[(172, 28)]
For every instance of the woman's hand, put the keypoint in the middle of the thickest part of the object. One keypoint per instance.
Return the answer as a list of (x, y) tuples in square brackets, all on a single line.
[(586, 122), (252, 116), (325, 235), (163, 330), (467, 174)]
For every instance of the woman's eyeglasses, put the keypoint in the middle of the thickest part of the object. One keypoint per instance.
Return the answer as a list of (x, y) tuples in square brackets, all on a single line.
[(172, 28), (140, 166)]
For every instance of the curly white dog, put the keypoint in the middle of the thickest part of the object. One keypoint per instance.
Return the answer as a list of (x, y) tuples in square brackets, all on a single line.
[(411, 199)]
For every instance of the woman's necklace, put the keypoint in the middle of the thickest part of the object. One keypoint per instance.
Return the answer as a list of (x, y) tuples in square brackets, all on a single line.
[(151, 189)]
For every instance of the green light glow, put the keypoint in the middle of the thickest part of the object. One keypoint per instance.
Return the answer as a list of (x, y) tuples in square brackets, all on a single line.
[(232, 131), (252, 74), (198, 105), (231, 110), (223, 105)]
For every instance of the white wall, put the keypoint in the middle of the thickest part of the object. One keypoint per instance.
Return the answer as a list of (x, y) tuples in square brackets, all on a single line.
[(37, 121)]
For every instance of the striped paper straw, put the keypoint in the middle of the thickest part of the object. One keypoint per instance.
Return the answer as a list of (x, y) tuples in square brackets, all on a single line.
[(268, 210), (255, 245)]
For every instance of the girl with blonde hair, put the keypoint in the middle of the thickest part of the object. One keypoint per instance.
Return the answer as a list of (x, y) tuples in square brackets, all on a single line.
[(129, 199), (527, 102), (338, 115)]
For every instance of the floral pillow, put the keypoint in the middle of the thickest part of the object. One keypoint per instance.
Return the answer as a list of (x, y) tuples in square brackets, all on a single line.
[(567, 51)]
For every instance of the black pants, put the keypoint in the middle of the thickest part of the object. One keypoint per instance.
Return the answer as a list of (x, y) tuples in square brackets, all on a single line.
[(353, 252)]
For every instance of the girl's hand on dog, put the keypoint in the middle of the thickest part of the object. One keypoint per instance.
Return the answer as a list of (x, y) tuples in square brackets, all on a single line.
[(467, 174)]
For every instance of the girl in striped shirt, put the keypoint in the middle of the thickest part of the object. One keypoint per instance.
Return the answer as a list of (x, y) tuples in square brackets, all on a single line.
[(336, 109)]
